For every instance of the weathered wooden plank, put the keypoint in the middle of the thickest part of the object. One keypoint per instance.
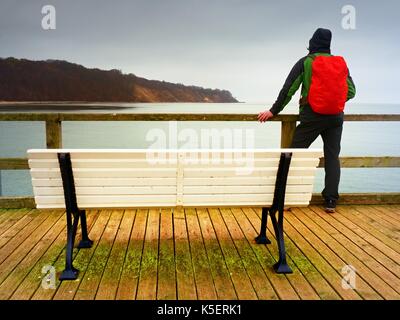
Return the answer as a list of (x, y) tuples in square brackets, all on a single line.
[(53, 134), (219, 271), (366, 162), (112, 272), (287, 133), (14, 164), (110, 116), (90, 282), (21, 231), (66, 290), (349, 214), (9, 285), (7, 222), (395, 208), (243, 286), (42, 293), (329, 234), (33, 280), (297, 280), (247, 220), (382, 218), (31, 238), (185, 280), (368, 285), (362, 198), (5, 214), (17, 202), (300, 264), (11, 219), (372, 117), (365, 241), (28, 116), (166, 284), (389, 211), (259, 281), (201, 265), (147, 287), (128, 283), (372, 218), (320, 261)]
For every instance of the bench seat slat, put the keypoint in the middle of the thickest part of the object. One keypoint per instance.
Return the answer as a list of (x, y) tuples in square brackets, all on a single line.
[(170, 200), (263, 189), (90, 182), (143, 153), (154, 190), (227, 198), (97, 201), (222, 181), (169, 205), (98, 190), (169, 173), (255, 172), (135, 163), (107, 173), (119, 205), (245, 181)]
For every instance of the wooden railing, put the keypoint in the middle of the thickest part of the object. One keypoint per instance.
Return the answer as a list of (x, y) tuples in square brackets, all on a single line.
[(288, 124)]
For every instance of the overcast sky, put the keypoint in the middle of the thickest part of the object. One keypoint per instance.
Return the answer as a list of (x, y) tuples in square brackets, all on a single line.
[(245, 46)]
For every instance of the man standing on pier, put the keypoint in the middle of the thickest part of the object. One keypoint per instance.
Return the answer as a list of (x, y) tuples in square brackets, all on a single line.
[(326, 86)]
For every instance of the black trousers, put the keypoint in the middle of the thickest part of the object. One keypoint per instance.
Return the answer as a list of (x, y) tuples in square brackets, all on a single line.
[(330, 129)]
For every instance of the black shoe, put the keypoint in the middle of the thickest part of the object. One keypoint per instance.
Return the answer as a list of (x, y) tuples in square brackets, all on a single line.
[(330, 206)]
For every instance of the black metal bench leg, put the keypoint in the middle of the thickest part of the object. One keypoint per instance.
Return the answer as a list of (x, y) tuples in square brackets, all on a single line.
[(85, 242), (262, 237), (281, 266), (70, 273)]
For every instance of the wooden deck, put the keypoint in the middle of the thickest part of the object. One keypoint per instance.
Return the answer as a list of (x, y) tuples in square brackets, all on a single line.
[(203, 254)]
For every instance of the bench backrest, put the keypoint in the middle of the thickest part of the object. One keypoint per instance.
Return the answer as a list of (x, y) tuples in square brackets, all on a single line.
[(191, 178)]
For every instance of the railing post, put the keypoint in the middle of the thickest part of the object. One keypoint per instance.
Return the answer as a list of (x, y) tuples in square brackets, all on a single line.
[(53, 134), (287, 133)]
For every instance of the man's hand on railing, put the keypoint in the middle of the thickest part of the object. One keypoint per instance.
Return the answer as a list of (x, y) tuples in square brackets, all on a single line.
[(264, 116)]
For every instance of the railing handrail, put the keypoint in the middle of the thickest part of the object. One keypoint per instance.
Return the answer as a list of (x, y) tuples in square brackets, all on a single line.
[(168, 116)]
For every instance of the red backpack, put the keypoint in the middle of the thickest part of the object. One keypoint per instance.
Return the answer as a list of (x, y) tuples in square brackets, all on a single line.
[(328, 88)]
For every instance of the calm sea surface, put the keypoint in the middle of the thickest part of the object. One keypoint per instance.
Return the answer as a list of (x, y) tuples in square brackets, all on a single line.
[(359, 139)]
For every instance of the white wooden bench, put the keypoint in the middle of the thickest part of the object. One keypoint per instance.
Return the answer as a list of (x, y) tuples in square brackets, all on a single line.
[(79, 179)]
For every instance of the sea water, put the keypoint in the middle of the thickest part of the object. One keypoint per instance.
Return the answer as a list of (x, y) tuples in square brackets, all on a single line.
[(359, 138)]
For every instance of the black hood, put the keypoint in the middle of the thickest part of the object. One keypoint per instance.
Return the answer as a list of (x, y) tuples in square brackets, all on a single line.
[(320, 41)]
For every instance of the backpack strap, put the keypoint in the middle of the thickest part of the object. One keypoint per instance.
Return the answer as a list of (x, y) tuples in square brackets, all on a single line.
[(304, 100), (312, 56)]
